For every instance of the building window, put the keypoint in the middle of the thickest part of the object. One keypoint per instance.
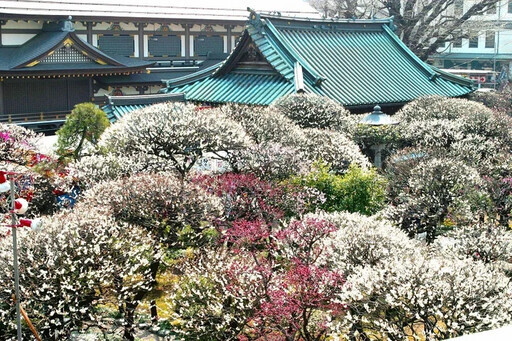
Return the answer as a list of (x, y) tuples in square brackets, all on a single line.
[(457, 42), (473, 42), (123, 45), (164, 46), (510, 6), (458, 8), (490, 38), (203, 45)]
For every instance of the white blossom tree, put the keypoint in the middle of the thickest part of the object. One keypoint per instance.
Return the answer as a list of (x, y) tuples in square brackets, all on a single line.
[(312, 111), (66, 268), (174, 132), (398, 287)]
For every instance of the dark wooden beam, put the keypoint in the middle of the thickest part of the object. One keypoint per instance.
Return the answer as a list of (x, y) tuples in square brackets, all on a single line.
[(89, 32), (91, 89), (141, 40), (1, 98), (187, 41)]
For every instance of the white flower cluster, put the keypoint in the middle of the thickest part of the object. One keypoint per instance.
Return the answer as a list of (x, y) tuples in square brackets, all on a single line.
[(269, 128), (251, 139), (398, 288), (66, 266), (433, 189), (174, 132), (158, 201), (17, 143), (93, 169), (313, 111), (482, 242), (437, 122), (426, 297), (362, 241), (215, 296)]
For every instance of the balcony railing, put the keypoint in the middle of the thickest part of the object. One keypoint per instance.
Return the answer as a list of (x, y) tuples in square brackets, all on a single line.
[(25, 118)]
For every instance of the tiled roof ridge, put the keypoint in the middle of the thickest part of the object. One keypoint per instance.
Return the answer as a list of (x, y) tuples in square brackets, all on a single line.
[(266, 15), (201, 74)]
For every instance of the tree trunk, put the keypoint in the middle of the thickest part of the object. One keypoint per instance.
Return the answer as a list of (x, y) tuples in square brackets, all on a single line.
[(154, 312), (153, 308), (129, 321)]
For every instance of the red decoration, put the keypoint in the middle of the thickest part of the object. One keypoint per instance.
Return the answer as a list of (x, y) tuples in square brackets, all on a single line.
[(4, 184), (34, 224), (20, 206)]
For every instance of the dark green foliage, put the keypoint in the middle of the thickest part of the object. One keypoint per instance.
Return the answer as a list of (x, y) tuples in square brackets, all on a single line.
[(85, 123)]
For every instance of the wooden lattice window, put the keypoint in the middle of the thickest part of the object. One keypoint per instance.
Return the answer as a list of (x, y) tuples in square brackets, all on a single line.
[(204, 44), (122, 45), (66, 55), (164, 46)]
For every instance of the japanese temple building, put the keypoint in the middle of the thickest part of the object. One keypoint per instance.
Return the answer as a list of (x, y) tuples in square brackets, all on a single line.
[(48, 62), (46, 76), (358, 63)]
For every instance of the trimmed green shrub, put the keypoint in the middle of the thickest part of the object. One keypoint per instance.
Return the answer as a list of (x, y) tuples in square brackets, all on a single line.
[(357, 190)]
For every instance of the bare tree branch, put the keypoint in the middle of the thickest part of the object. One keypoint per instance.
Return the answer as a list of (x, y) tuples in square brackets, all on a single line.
[(423, 25)]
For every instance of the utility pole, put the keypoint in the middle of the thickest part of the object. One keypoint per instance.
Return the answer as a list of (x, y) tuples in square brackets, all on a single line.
[(15, 262)]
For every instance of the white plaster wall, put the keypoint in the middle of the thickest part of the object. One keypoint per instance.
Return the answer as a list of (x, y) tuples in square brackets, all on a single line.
[(146, 49), (136, 46), (11, 24), (83, 37), (101, 26), (128, 26), (238, 29), (183, 47), (175, 27), (79, 25), (195, 28), (505, 42), (15, 39)]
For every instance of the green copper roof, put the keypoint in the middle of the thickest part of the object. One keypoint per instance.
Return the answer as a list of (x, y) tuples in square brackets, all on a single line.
[(119, 106), (355, 62), (117, 112), (236, 87)]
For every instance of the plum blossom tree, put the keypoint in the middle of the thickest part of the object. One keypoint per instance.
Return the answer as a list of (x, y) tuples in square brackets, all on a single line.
[(430, 193), (67, 266), (332, 147), (313, 111), (177, 213), (269, 277), (430, 297), (398, 288), (482, 242), (93, 169), (17, 144), (160, 202), (175, 133), (438, 122), (245, 197)]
